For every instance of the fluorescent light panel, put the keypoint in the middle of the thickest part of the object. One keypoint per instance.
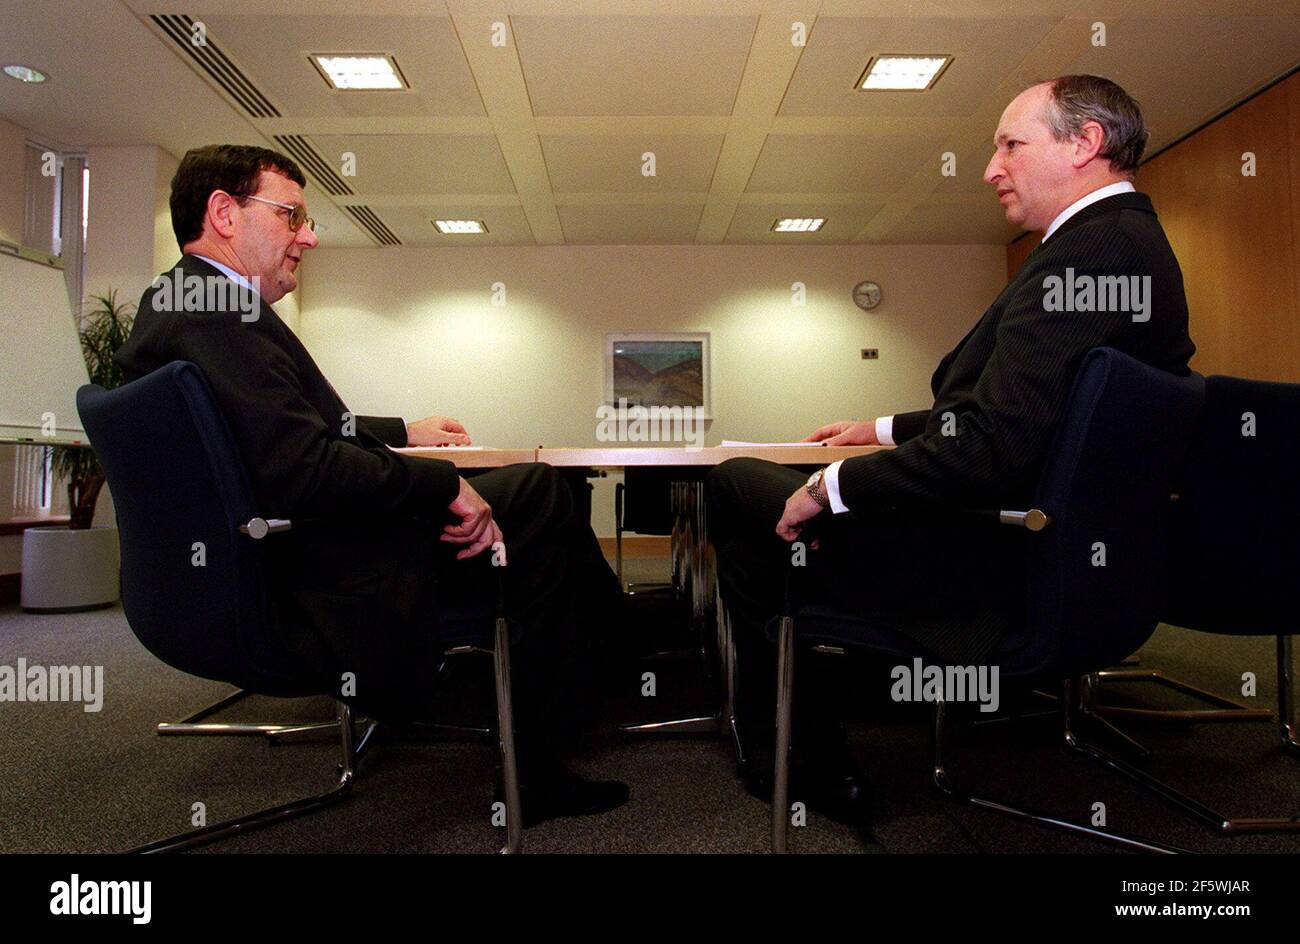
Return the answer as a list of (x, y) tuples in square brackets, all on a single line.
[(790, 224), (460, 227), (359, 73), (25, 74), (903, 73)]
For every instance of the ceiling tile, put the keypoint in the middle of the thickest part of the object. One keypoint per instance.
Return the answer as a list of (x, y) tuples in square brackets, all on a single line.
[(614, 162), (273, 51), (420, 163), (1254, 49), (633, 65), (954, 223), (985, 51), (630, 224), (805, 163)]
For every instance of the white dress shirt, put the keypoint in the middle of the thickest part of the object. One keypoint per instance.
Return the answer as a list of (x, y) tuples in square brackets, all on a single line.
[(228, 272)]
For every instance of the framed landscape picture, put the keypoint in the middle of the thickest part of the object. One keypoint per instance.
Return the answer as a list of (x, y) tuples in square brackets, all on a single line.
[(665, 370)]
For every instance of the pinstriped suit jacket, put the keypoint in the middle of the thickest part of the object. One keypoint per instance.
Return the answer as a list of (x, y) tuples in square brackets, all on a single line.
[(999, 395), (998, 398)]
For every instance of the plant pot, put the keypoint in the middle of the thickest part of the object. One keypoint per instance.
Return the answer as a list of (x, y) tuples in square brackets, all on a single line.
[(66, 570)]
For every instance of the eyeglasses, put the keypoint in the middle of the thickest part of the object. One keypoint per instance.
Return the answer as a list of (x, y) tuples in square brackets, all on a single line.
[(297, 213)]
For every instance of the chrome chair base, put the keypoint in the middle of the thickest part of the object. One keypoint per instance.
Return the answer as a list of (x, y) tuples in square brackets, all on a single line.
[(945, 784), (1224, 825), (276, 814), (1224, 708), (942, 780), (195, 724), (352, 748)]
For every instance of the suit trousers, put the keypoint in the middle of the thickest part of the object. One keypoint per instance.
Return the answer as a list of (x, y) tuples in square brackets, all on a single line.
[(950, 586), (388, 626)]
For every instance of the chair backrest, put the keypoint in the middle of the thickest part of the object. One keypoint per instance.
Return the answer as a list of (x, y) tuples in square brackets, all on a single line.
[(192, 585), (647, 500), (1096, 574), (1236, 526)]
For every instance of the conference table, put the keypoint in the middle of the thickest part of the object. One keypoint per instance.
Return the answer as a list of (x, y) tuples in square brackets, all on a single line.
[(693, 566), (621, 457)]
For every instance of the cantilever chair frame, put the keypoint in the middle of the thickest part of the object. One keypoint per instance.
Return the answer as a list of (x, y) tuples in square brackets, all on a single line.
[(1033, 520), (352, 747), (1077, 704)]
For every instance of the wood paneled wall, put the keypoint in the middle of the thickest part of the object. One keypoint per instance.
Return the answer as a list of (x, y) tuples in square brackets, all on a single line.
[(1237, 237)]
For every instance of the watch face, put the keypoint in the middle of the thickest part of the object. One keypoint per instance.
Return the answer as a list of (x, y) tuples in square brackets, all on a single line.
[(866, 295)]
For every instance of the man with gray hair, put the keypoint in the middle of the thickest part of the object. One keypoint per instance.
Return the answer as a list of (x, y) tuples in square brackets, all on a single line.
[(1066, 152)]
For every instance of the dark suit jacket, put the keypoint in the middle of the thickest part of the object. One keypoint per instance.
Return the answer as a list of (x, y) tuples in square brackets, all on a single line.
[(1006, 384), (955, 587), (352, 575)]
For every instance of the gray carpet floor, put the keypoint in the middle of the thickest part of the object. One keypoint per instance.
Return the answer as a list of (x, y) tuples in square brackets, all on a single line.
[(73, 781)]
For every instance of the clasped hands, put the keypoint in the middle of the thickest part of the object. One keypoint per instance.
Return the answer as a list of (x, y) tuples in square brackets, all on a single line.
[(476, 530), (800, 508)]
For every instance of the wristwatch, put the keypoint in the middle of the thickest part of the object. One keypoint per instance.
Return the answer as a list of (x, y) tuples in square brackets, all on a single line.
[(817, 488)]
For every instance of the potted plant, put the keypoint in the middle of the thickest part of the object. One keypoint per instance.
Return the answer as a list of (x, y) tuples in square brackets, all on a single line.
[(76, 567)]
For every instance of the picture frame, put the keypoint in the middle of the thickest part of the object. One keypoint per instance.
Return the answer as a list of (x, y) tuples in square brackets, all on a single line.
[(664, 369)]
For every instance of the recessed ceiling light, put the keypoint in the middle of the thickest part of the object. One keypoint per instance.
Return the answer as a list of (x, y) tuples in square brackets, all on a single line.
[(25, 74), (791, 224), (359, 73), (460, 227), (906, 73)]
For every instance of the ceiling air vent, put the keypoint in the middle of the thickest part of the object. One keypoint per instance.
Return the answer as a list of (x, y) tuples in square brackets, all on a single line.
[(209, 57), (372, 224), (302, 151)]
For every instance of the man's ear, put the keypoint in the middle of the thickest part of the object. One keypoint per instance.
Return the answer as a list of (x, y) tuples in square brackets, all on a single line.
[(1088, 143), (222, 208)]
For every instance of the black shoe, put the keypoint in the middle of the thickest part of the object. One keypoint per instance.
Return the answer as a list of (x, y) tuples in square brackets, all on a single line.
[(830, 783), (560, 792)]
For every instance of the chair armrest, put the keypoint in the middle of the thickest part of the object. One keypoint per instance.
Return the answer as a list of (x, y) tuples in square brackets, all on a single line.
[(1034, 519), (258, 528)]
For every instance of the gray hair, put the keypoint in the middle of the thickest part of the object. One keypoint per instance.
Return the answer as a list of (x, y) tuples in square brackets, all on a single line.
[(1076, 100)]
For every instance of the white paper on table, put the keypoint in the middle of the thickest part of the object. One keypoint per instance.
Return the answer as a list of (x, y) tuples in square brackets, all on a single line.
[(735, 443), (441, 448)]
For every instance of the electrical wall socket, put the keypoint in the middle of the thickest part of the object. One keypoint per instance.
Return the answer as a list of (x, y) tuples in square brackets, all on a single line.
[(870, 353)]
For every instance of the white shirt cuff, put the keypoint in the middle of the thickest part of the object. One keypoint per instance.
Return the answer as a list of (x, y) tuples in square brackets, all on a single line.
[(831, 479), (885, 430)]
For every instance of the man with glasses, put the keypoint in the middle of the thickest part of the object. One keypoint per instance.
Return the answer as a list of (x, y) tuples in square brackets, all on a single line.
[(391, 543)]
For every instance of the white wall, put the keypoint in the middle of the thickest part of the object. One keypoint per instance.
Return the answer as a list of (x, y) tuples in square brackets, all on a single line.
[(123, 233), (412, 331), (13, 155)]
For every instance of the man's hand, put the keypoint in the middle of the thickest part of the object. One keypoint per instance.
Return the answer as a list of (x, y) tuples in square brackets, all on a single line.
[(476, 528), (800, 508), (847, 433), (436, 431)]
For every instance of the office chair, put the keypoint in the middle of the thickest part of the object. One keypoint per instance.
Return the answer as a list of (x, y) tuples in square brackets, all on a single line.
[(1108, 479), (644, 502), (1235, 550), (177, 481)]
